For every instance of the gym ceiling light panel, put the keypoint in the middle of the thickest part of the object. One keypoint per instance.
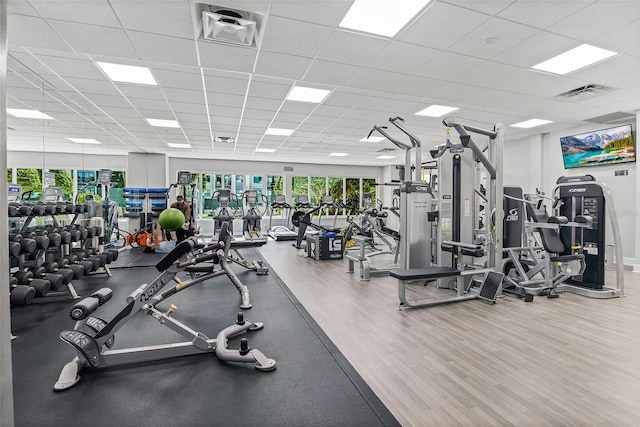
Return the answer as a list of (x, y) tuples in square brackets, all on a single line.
[(265, 150), (574, 59), (381, 17), (436, 111), (84, 140), (527, 124), (28, 114), (128, 73), (338, 154), (163, 123), (278, 132), (386, 157), (307, 94), (373, 139), (178, 145)]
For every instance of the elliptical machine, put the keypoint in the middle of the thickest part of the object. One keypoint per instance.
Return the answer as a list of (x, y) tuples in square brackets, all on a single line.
[(184, 182), (224, 214), (251, 229)]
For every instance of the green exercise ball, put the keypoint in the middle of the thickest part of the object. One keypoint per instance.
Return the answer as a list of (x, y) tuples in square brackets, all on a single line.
[(171, 219)]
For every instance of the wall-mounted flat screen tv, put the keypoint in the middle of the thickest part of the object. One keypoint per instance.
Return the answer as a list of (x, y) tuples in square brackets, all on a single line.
[(600, 147)]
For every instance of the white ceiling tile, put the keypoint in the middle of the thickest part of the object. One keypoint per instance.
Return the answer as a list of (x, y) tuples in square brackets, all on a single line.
[(541, 14), (150, 105), (330, 72), (328, 13), (225, 84), (93, 39), (290, 117), (168, 17), (487, 73), (278, 64), (226, 100), (376, 80), (490, 7), (185, 107), (447, 65), (155, 47), (621, 40), (174, 79), (533, 83), (92, 86), (611, 72), (70, 67), (142, 91), (269, 90), (536, 49), (31, 31), (597, 19), (491, 38), (228, 57), (403, 57), (184, 95), (96, 12), (268, 104), (439, 19), (294, 37), (351, 48)]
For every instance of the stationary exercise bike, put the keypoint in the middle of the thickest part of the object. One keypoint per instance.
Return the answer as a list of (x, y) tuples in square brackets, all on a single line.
[(92, 338)]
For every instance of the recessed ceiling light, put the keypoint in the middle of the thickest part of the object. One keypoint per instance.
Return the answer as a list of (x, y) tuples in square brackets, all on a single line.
[(574, 59), (178, 145), (279, 132), (436, 111), (28, 114), (84, 140), (265, 150), (530, 123), (338, 154), (386, 157), (163, 123), (307, 94), (128, 73), (382, 17), (373, 139)]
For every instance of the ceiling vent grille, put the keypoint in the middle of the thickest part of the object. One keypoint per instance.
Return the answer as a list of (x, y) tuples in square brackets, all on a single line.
[(583, 92), (227, 25)]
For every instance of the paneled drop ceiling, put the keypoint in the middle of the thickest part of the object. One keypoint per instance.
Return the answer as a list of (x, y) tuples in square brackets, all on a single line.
[(475, 55)]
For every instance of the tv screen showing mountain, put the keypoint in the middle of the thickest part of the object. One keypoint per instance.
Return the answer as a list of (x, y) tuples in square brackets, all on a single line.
[(600, 147)]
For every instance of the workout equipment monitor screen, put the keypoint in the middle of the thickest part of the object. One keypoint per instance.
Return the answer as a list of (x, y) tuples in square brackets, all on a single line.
[(600, 147)]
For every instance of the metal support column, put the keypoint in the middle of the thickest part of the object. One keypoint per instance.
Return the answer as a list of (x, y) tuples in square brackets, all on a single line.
[(6, 376)]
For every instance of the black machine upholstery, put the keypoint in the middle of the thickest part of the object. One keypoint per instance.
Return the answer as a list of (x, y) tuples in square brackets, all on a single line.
[(550, 238)]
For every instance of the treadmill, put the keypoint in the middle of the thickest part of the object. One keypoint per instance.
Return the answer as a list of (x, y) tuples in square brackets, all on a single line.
[(281, 232)]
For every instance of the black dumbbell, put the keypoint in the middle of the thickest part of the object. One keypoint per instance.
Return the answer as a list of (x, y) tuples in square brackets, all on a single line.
[(25, 278), (20, 294)]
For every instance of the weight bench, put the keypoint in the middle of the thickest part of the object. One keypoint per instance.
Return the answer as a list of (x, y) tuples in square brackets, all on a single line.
[(487, 291)]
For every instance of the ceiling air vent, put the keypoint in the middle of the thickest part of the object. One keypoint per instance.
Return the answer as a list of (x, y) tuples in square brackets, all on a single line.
[(225, 139), (227, 25), (583, 92)]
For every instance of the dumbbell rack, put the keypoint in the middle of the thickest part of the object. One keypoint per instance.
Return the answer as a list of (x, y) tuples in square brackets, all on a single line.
[(47, 257)]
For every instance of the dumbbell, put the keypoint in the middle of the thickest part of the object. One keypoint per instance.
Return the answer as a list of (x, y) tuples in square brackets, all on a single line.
[(54, 267), (27, 245), (42, 241), (81, 208), (20, 294), (21, 209), (26, 278), (74, 259), (56, 280), (46, 209), (54, 238)]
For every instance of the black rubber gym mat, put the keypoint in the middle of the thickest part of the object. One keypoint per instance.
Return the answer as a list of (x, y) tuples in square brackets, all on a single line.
[(313, 384)]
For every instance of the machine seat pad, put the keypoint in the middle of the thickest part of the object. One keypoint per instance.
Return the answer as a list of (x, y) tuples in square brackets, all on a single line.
[(424, 273), (200, 269), (566, 258)]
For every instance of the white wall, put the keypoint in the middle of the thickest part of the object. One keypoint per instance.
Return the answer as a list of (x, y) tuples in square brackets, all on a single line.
[(27, 159), (541, 158)]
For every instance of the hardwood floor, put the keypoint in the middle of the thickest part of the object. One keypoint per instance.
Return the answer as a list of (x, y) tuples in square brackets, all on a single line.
[(570, 361)]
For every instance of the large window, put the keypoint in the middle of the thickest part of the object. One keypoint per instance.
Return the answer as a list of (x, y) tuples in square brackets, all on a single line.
[(64, 180), (31, 182), (352, 195), (299, 186)]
